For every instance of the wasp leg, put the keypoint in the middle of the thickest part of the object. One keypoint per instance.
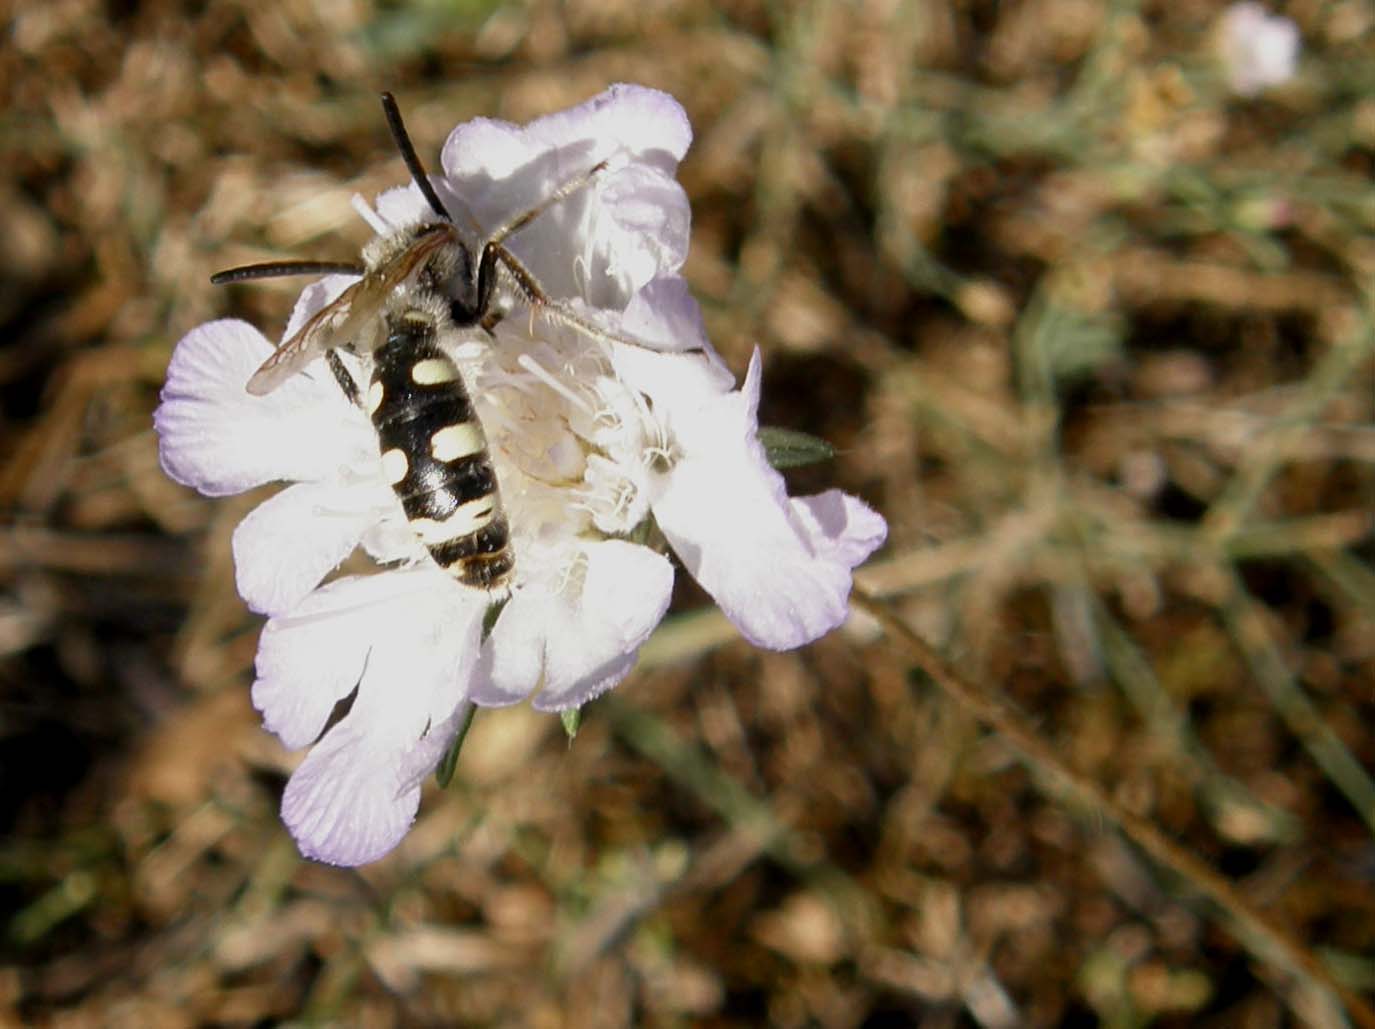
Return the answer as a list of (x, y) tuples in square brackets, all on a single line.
[(345, 380), (573, 185), (492, 249), (555, 310), (521, 277), (525, 280)]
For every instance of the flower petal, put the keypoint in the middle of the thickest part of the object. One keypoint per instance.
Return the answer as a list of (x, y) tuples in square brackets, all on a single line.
[(314, 657), (602, 243), (665, 313), (1258, 49), (783, 578), (625, 592), (748, 555), (217, 438), (577, 641), (639, 231), (396, 624), (410, 642), (355, 795), (646, 122), (315, 297), (347, 803), (690, 393), (288, 543), (840, 527), (424, 757)]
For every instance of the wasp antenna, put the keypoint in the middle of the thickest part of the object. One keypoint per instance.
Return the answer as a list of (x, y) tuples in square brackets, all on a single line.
[(408, 154), (281, 269)]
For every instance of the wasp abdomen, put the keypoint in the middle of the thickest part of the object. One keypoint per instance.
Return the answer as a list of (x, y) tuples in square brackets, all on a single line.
[(435, 455)]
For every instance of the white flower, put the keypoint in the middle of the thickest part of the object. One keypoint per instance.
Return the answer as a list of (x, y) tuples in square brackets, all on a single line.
[(1258, 49), (589, 437)]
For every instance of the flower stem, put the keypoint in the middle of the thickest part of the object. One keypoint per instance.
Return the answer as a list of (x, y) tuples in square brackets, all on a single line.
[(1255, 930)]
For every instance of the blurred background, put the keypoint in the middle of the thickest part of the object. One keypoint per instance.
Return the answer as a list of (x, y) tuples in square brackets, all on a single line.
[(1087, 314)]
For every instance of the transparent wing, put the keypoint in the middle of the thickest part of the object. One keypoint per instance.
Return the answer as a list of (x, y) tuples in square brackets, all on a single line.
[(344, 320), (317, 335)]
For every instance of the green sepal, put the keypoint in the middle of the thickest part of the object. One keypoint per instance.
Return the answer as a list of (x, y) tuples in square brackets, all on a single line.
[(642, 532), (572, 720), (444, 772), (490, 616), (788, 448)]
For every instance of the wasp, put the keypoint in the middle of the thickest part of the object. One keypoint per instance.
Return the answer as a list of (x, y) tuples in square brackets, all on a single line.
[(419, 290)]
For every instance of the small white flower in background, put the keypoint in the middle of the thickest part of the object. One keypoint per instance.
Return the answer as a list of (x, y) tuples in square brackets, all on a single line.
[(1258, 49), (590, 438)]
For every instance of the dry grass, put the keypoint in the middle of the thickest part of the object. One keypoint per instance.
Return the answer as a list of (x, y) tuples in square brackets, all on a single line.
[(1094, 335)]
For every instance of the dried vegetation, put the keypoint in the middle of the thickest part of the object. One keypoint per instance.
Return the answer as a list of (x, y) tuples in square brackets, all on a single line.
[(1097, 338)]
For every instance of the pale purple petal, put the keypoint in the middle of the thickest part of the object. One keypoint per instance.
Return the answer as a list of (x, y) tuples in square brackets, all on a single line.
[(355, 795), (403, 205), (625, 592), (781, 578), (704, 422), (484, 151), (646, 122), (749, 555), (640, 231), (217, 438), (513, 654), (575, 643), (665, 314), (410, 642), (840, 528), (313, 657), (1259, 49), (289, 543), (348, 802), (316, 296), (602, 243), (424, 757)]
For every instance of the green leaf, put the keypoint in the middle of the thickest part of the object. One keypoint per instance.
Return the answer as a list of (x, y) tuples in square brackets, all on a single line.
[(571, 719), (444, 773), (787, 448)]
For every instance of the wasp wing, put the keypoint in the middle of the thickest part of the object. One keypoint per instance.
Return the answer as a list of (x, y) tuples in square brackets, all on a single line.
[(347, 319), (315, 337)]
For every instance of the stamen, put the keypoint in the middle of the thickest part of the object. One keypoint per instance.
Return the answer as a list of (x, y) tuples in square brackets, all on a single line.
[(537, 370), (320, 511), (660, 459), (581, 275), (375, 221), (611, 499), (609, 418), (575, 569)]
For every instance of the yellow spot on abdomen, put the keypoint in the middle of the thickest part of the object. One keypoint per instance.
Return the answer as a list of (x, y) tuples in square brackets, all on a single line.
[(455, 441), (432, 371), (463, 522), (395, 466)]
